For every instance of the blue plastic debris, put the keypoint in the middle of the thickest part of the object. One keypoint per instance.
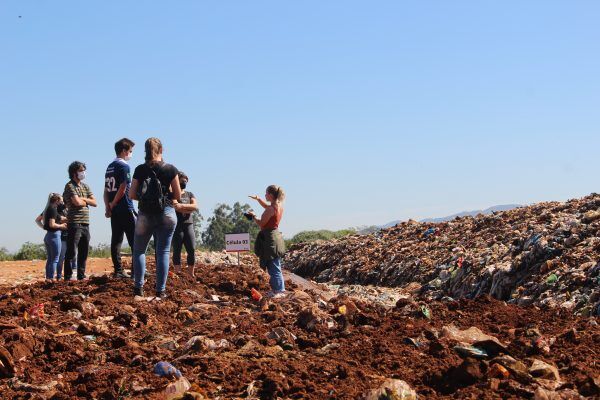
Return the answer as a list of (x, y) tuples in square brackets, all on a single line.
[(163, 368)]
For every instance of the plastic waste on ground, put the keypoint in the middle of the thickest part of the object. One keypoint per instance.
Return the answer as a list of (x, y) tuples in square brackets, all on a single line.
[(165, 369), (543, 255), (470, 351), (177, 388), (256, 296)]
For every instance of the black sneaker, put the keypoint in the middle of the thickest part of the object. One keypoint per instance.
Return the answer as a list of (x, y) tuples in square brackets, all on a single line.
[(138, 292), (120, 275), (162, 295)]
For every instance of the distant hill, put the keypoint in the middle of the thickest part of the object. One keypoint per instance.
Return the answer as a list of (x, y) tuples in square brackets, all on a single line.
[(473, 213), (487, 211)]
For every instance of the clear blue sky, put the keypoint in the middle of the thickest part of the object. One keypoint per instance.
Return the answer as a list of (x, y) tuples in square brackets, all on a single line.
[(364, 111)]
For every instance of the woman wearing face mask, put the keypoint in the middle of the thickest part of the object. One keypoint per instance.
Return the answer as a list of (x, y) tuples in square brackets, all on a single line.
[(49, 220), (269, 245), (156, 187), (184, 232)]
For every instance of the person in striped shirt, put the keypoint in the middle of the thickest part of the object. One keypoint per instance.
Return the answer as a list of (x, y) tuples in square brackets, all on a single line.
[(78, 197)]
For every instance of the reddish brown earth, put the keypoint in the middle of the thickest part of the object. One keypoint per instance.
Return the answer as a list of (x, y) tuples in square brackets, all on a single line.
[(131, 336), (15, 272)]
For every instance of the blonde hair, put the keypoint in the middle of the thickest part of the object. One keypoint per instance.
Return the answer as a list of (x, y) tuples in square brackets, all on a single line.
[(277, 192), (153, 147), (52, 197)]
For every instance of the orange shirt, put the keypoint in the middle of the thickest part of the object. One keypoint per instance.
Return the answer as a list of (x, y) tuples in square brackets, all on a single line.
[(273, 222)]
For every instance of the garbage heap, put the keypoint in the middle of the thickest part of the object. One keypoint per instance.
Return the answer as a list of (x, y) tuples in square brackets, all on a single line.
[(220, 337), (545, 255)]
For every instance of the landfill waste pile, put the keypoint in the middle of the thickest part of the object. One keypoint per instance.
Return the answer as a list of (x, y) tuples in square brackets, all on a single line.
[(544, 255), (222, 257), (221, 337)]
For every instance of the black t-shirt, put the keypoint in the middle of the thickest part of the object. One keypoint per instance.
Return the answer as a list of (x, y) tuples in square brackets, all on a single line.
[(62, 212), (51, 213), (186, 198), (165, 173)]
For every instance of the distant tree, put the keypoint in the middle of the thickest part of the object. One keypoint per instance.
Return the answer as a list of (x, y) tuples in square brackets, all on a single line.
[(102, 250), (240, 223), (197, 222), (218, 225), (227, 219), (31, 251), (5, 254)]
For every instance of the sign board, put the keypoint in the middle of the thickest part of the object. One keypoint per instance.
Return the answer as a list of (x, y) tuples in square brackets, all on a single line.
[(236, 242)]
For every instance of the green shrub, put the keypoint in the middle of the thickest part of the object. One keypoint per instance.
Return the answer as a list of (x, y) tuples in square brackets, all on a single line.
[(102, 250), (311, 236), (5, 255), (31, 251)]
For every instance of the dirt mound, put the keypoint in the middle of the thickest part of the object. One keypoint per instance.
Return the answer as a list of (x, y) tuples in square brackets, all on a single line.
[(544, 255), (92, 339)]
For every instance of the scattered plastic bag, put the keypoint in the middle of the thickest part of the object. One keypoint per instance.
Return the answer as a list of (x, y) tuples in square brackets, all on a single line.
[(36, 311), (177, 388), (165, 369), (256, 296)]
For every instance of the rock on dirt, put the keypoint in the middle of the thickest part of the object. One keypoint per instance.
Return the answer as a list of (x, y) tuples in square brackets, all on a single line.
[(392, 389)]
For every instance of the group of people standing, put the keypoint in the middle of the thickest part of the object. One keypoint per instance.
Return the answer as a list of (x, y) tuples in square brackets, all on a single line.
[(165, 214)]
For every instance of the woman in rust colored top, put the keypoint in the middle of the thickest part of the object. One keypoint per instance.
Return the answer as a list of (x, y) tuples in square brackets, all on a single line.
[(269, 223)]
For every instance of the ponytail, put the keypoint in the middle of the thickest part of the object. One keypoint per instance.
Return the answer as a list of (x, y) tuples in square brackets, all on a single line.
[(153, 148), (277, 192)]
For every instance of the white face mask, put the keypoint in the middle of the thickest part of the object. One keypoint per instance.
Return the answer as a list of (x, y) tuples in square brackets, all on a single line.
[(128, 157), (81, 175)]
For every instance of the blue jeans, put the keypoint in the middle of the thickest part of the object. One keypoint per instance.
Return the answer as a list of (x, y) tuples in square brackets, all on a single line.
[(162, 227), (53, 246), (274, 269)]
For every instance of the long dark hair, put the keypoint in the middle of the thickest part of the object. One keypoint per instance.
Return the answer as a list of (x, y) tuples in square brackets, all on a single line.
[(52, 197)]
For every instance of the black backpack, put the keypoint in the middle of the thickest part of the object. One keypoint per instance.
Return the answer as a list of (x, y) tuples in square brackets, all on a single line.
[(151, 197)]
